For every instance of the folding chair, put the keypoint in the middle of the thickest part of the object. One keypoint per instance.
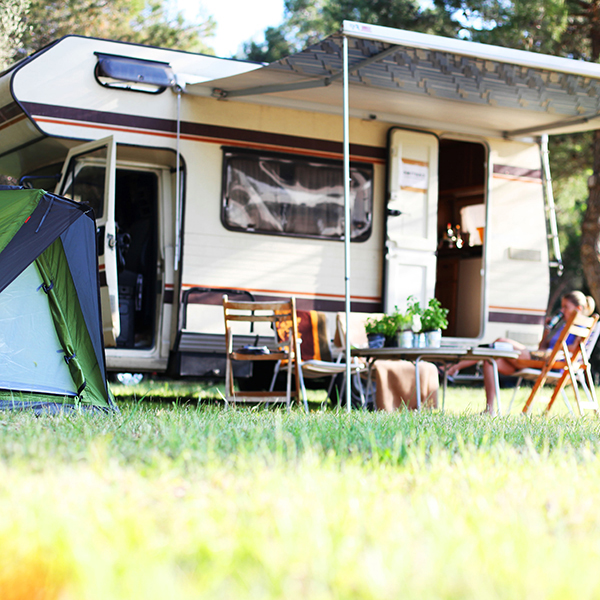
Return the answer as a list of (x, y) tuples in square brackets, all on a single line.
[(564, 366), (274, 313)]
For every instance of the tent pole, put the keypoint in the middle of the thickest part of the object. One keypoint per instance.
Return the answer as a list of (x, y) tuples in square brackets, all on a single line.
[(347, 225)]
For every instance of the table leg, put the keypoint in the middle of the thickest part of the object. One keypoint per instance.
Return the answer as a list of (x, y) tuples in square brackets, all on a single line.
[(418, 382), (497, 384)]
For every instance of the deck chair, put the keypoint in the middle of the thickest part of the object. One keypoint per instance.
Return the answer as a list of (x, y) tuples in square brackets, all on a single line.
[(280, 315), (315, 352), (566, 366)]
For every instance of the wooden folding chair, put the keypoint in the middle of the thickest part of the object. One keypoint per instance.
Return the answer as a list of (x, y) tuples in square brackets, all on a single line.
[(276, 314), (566, 365)]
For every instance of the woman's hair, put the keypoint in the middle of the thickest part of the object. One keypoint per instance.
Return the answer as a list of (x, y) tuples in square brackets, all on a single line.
[(585, 303)]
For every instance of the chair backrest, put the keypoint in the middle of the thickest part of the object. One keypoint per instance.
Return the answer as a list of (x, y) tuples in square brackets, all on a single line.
[(281, 315), (580, 326), (358, 335)]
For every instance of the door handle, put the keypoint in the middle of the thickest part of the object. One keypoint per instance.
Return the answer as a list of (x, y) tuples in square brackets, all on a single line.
[(393, 212)]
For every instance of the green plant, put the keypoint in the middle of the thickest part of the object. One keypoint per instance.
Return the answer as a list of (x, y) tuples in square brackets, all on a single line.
[(416, 312), (375, 325), (434, 316)]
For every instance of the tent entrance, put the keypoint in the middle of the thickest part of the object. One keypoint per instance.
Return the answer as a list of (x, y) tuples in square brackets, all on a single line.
[(31, 356), (461, 221)]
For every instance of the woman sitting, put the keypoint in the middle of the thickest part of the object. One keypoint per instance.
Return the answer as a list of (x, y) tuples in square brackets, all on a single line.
[(572, 302)]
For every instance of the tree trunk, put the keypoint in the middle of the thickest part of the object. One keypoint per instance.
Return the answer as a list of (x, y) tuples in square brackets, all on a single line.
[(590, 228)]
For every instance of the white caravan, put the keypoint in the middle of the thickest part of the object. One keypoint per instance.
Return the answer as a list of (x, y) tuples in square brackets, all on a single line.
[(444, 135)]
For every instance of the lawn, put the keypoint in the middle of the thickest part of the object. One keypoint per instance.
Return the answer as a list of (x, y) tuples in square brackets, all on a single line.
[(178, 499)]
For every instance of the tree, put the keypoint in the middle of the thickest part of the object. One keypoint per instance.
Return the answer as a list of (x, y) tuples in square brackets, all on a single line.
[(307, 21), (137, 21), (12, 27)]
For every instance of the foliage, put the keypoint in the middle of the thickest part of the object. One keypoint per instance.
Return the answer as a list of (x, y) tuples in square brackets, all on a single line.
[(385, 325), (12, 27), (307, 21), (137, 21), (434, 316)]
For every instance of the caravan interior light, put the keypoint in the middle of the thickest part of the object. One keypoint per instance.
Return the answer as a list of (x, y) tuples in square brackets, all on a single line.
[(133, 73)]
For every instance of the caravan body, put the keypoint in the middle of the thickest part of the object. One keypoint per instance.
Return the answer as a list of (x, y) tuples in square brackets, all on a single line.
[(440, 136)]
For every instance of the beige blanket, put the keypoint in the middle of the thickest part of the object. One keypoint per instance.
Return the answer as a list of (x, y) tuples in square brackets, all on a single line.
[(396, 385)]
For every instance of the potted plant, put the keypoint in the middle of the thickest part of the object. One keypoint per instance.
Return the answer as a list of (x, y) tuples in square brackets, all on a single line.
[(433, 320), (404, 324), (375, 329)]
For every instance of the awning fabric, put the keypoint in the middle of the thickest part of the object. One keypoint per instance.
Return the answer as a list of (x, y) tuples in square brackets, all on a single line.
[(430, 81)]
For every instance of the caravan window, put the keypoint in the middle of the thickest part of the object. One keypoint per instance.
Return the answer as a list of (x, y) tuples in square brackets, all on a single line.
[(291, 195)]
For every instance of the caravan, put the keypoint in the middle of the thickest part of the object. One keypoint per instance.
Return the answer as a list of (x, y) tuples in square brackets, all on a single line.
[(210, 175)]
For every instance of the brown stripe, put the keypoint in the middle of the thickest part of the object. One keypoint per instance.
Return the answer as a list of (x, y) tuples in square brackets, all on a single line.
[(10, 111), (216, 298), (518, 171), (527, 319), (233, 134)]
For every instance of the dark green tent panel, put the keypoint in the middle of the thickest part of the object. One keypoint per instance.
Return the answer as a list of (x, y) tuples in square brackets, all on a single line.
[(51, 348)]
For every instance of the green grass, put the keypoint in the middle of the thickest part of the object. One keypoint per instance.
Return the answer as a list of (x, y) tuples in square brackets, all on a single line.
[(178, 499)]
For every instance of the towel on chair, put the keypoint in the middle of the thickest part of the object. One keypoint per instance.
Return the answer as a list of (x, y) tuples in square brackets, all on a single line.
[(396, 385)]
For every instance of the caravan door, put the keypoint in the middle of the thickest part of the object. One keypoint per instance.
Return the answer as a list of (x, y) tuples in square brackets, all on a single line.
[(411, 220), (88, 176)]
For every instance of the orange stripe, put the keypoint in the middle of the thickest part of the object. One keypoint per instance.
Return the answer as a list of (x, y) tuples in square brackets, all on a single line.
[(285, 292), (518, 309), (413, 189), (197, 138), (314, 321), (516, 178), (410, 161)]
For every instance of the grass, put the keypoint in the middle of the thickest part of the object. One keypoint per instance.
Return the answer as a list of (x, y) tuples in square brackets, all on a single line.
[(175, 499)]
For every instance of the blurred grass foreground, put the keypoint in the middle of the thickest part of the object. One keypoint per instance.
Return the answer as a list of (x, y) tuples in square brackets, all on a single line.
[(168, 500)]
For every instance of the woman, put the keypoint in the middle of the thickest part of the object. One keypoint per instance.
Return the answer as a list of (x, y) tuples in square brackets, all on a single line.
[(572, 302)]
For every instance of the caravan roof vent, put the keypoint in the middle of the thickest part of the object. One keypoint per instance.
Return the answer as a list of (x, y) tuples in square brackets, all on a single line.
[(133, 74)]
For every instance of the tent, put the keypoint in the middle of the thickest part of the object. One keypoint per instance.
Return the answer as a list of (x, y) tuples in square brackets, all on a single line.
[(51, 346)]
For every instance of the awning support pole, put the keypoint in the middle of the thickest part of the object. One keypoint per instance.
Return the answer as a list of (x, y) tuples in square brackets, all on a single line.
[(346, 112), (177, 185)]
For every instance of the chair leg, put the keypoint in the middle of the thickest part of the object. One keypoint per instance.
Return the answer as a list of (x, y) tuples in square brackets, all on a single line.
[(517, 388), (560, 385), (566, 401), (288, 389)]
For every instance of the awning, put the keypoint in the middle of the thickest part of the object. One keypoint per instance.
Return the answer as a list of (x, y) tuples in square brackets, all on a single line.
[(428, 81)]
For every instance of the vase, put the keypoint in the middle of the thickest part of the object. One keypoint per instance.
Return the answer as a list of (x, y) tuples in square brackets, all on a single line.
[(376, 340), (434, 338), (419, 340), (405, 339)]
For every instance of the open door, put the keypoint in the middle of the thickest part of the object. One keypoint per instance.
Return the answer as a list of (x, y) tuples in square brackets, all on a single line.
[(411, 220), (88, 176)]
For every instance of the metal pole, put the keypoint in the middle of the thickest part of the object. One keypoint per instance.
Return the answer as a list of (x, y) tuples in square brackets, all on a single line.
[(177, 186), (347, 225)]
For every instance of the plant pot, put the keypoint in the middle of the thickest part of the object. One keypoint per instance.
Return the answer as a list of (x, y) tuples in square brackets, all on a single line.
[(391, 342), (419, 340), (405, 339), (376, 340), (434, 338)]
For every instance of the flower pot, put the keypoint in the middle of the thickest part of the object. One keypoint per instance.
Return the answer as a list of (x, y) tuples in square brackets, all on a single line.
[(376, 340), (405, 339), (434, 338), (419, 340), (391, 342)]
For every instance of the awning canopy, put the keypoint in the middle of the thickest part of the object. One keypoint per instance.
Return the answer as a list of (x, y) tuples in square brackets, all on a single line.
[(428, 81)]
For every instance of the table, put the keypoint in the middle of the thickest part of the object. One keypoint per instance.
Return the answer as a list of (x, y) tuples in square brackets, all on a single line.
[(444, 354)]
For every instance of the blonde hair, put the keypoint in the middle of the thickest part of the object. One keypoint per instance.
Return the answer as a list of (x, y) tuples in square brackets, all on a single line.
[(585, 303)]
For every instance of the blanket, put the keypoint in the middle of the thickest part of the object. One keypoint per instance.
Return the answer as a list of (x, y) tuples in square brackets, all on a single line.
[(396, 385)]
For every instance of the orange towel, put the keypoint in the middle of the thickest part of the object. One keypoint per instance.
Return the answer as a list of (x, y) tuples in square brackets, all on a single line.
[(396, 385)]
